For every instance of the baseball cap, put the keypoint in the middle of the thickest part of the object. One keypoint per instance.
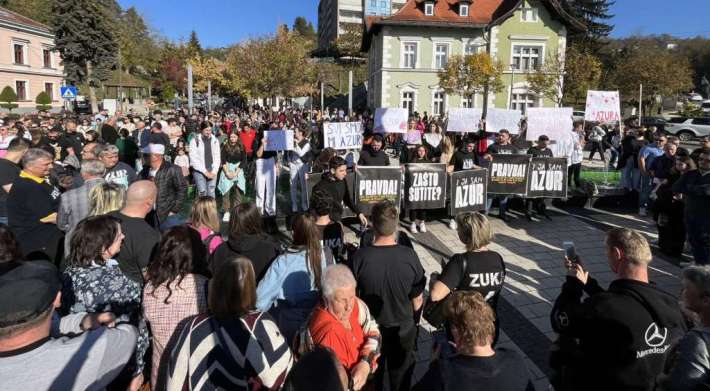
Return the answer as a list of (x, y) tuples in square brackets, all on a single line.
[(27, 288), (157, 149)]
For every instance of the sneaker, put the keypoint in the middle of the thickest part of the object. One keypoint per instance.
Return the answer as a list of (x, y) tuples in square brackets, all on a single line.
[(226, 217), (422, 227), (413, 228), (642, 212), (452, 225)]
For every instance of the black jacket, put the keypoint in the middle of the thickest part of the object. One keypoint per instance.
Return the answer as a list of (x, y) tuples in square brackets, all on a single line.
[(260, 249), (339, 192), (368, 157), (172, 189), (624, 334)]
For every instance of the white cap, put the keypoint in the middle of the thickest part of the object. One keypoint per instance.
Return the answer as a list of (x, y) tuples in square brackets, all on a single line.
[(157, 149)]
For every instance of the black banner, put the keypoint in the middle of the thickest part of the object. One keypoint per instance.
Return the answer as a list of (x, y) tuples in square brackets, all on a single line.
[(508, 174), (425, 186), (375, 184), (468, 191), (548, 178)]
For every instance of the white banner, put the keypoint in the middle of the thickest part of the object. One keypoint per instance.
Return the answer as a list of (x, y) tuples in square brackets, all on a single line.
[(391, 120), (463, 120), (278, 140), (342, 135), (603, 106), (497, 119), (553, 122)]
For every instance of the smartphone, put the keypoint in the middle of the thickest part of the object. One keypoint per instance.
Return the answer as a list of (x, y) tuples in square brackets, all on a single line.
[(570, 251)]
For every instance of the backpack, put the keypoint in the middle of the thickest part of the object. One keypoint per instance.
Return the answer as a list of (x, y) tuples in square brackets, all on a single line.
[(208, 240)]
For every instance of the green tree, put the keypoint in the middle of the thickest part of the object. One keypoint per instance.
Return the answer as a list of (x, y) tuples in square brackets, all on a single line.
[(471, 74), (583, 72), (168, 93), (84, 38), (595, 14), (304, 28), (194, 48), (8, 97), (43, 101), (37, 10), (136, 43), (349, 43)]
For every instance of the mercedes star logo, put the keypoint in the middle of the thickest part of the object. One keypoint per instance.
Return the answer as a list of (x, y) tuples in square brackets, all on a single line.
[(655, 336)]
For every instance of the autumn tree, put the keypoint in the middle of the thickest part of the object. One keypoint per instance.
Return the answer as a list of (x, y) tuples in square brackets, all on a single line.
[(583, 72), (348, 44), (137, 46), (471, 74), (206, 70), (304, 28)]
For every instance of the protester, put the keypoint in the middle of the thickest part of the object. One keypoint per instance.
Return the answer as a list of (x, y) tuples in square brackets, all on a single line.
[(267, 169), (704, 144), (668, 210), (89, 150), (232, 182), (596, 138), (246, 238), (575, 155), (374, 155), (5, 139), (127, 148), (299, 163), (93, 282), (502, 146), (695, 187), (619, 338), (9, 248), (74, 205), (321, 364), (175, 289), (29, 330), (205, 219), (205, 160), (117, 171), (417, 217), (538, 204), (156, 135), (105, 198), (331, 232), (391, 280), (32, 207), (290, 287), (71, 141), (342, 322), (432, 140), (140, 239), (172, 188), (333, 182), (646, 157), (231, 335), (9, 172)]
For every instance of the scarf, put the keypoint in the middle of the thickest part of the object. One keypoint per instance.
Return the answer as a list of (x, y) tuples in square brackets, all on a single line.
[(208, 153)]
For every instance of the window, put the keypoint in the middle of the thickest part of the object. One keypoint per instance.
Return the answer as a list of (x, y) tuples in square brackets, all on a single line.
[(463, 10), (470, 49), (468, 101), (429, 8), (21, 90), (47, 58), (529, 15), (408, 101), (19, 53), (438, 101), (522, 101), (441, 55), (49, 89), (526, 58), (701, 121), (410, 55)]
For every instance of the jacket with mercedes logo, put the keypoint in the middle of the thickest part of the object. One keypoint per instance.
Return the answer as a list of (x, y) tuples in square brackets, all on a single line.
[(622, 336)]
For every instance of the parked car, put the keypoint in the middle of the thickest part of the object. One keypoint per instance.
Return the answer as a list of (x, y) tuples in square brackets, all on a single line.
[(695, 97), (647, 122), (690, 128), (705, 106)]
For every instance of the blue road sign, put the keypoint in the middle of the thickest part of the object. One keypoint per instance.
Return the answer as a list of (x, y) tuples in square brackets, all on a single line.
[(68, 92)]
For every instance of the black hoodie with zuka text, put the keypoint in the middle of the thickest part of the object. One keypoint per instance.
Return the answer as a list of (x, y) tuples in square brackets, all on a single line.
[(624, 334)]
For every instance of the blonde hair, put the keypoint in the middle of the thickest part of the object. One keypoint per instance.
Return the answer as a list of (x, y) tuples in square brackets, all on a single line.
[(634, 245), (105, 198), (473, 319), (204, 213), (474, 230)]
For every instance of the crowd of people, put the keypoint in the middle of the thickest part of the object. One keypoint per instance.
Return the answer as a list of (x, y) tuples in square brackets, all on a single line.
[(116, 271)]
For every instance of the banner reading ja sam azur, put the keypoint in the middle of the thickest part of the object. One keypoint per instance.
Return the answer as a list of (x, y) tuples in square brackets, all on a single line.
[(508, 174), (468, 191), (548, 178), (425, 185), (376, 184)]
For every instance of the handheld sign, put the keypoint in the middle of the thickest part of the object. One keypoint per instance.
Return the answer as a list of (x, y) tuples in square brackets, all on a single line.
[(376, 184), (425, 185), (391, 120), (278, 140), (548, 178), (464, 120), (553, 122), (342, 135), (497, 119), (603, 106), (468, 191), (509, 174)]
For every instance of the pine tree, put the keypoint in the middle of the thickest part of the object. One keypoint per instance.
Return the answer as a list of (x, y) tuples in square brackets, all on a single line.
[(86, 43), (304, 28), (595, 15), (194, 49)]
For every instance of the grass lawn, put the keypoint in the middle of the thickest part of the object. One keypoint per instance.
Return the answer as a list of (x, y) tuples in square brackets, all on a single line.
[(613, 177)]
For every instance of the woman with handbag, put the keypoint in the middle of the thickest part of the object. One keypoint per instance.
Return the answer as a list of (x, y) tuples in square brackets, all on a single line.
[(478, 269)]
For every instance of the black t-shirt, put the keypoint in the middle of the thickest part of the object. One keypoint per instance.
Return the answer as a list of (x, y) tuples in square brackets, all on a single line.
[(9, 171), (331, 236), (28, 202), (370, 158), (504, 371), (499, 149), (109, 134), (388, 278), (485, 273), (74, 141), (537, 152), (160, 138), (121, 174), (138, 245), (464, 160)]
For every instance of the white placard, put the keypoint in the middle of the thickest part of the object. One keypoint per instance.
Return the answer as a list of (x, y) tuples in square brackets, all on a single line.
[(391, 120), (111, 105), (603, 106), (497, 119), (278, 140), (464, 120), (553, 122), (342, 135)]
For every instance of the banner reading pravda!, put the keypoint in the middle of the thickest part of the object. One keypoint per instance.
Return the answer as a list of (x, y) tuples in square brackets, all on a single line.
[(548, 178), (425, 185), (376, 184), (508, 174), (468, 191)]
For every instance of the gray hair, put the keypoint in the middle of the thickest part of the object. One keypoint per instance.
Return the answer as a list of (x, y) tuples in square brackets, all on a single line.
[(106, 149), (93, 167), (699, 276), (336, 277), (34, 154)]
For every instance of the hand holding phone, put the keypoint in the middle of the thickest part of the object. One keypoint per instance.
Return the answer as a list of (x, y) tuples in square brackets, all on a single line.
[(570, 251)]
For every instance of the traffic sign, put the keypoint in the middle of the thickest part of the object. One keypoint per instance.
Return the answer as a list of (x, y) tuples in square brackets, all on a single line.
[(68, 92)]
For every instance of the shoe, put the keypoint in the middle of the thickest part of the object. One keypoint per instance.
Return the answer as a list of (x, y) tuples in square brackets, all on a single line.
[(226, 217), (413, 228), (452, 225), (528, 216), (422, 227), (544, 214), (642, 212)]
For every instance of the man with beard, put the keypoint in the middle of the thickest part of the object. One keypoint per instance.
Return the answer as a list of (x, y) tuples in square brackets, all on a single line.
[(117, 172), (374, 155)]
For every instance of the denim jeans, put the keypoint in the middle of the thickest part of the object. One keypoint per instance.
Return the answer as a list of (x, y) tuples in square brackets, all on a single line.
[(205, 187), (698, 230), (3, 220), (645, 191), (503, 203), (171, 221)]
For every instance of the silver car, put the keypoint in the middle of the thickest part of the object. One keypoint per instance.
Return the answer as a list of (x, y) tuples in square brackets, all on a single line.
[(689, 128)]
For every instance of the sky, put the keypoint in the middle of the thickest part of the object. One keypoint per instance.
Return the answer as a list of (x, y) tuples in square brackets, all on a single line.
[(225, 22)]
